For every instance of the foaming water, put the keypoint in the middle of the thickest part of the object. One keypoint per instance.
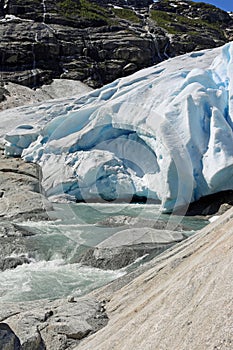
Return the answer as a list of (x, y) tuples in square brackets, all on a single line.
[(51, 279), (55, 244)]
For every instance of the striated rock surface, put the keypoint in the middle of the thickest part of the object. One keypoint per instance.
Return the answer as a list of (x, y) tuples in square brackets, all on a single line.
[(97, 42), (183, 300)]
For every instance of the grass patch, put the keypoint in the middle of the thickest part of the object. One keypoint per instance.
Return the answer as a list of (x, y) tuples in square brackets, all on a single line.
[(70, 7), (127, 14), (171, 21), (195, 5), (202, 5), (83, 9)]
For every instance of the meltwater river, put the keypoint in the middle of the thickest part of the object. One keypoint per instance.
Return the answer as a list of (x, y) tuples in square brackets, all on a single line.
[(51, 273)]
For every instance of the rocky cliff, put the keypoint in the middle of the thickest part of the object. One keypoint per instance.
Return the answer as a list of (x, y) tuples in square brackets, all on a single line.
[(97, 42)]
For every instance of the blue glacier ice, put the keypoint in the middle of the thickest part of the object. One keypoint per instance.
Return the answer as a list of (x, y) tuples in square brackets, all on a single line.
[(163, 133)]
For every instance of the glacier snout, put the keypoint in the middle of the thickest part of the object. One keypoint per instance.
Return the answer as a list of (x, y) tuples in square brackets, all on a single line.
[(164, 133)]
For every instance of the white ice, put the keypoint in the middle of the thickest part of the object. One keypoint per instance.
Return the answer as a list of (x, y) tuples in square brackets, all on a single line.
[(163, 133)]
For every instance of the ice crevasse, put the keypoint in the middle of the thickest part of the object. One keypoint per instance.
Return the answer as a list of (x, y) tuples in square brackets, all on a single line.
[(163, 133)]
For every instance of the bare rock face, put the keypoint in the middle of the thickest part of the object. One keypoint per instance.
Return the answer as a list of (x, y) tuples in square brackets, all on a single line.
[(53, 325), (15, 95), (134, 3), (34, 342), (21, 194), (95, 42), (183, 300), (21, 198)]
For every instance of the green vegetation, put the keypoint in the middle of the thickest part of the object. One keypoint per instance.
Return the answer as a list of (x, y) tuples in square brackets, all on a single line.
[(195, 4), (171, 22), (83, 9), (70, 7), (202, 5), (126, 14), (28, 2)]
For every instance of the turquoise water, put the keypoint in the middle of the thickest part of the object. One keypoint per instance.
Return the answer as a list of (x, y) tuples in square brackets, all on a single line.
[(51, 273), (91, 213)]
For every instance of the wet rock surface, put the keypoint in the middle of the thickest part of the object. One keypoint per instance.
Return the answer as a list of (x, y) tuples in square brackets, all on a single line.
[(124, 220), (120, 257), (12, 262), (126, 246)]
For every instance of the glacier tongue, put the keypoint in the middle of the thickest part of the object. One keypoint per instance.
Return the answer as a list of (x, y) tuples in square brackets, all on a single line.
[(163, 133)]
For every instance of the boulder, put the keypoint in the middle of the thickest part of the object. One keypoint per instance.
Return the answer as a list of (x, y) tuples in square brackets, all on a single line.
[(136, 222), (21, 192), (9, 230), (35, 342), (54, 325), (126, 246), (119, 257), (13, 262), (24, 205)]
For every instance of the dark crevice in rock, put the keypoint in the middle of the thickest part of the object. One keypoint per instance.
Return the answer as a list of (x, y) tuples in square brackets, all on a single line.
[(8, 339)]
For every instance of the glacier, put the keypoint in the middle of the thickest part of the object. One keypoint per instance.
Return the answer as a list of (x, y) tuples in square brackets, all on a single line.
[(163, 133)]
